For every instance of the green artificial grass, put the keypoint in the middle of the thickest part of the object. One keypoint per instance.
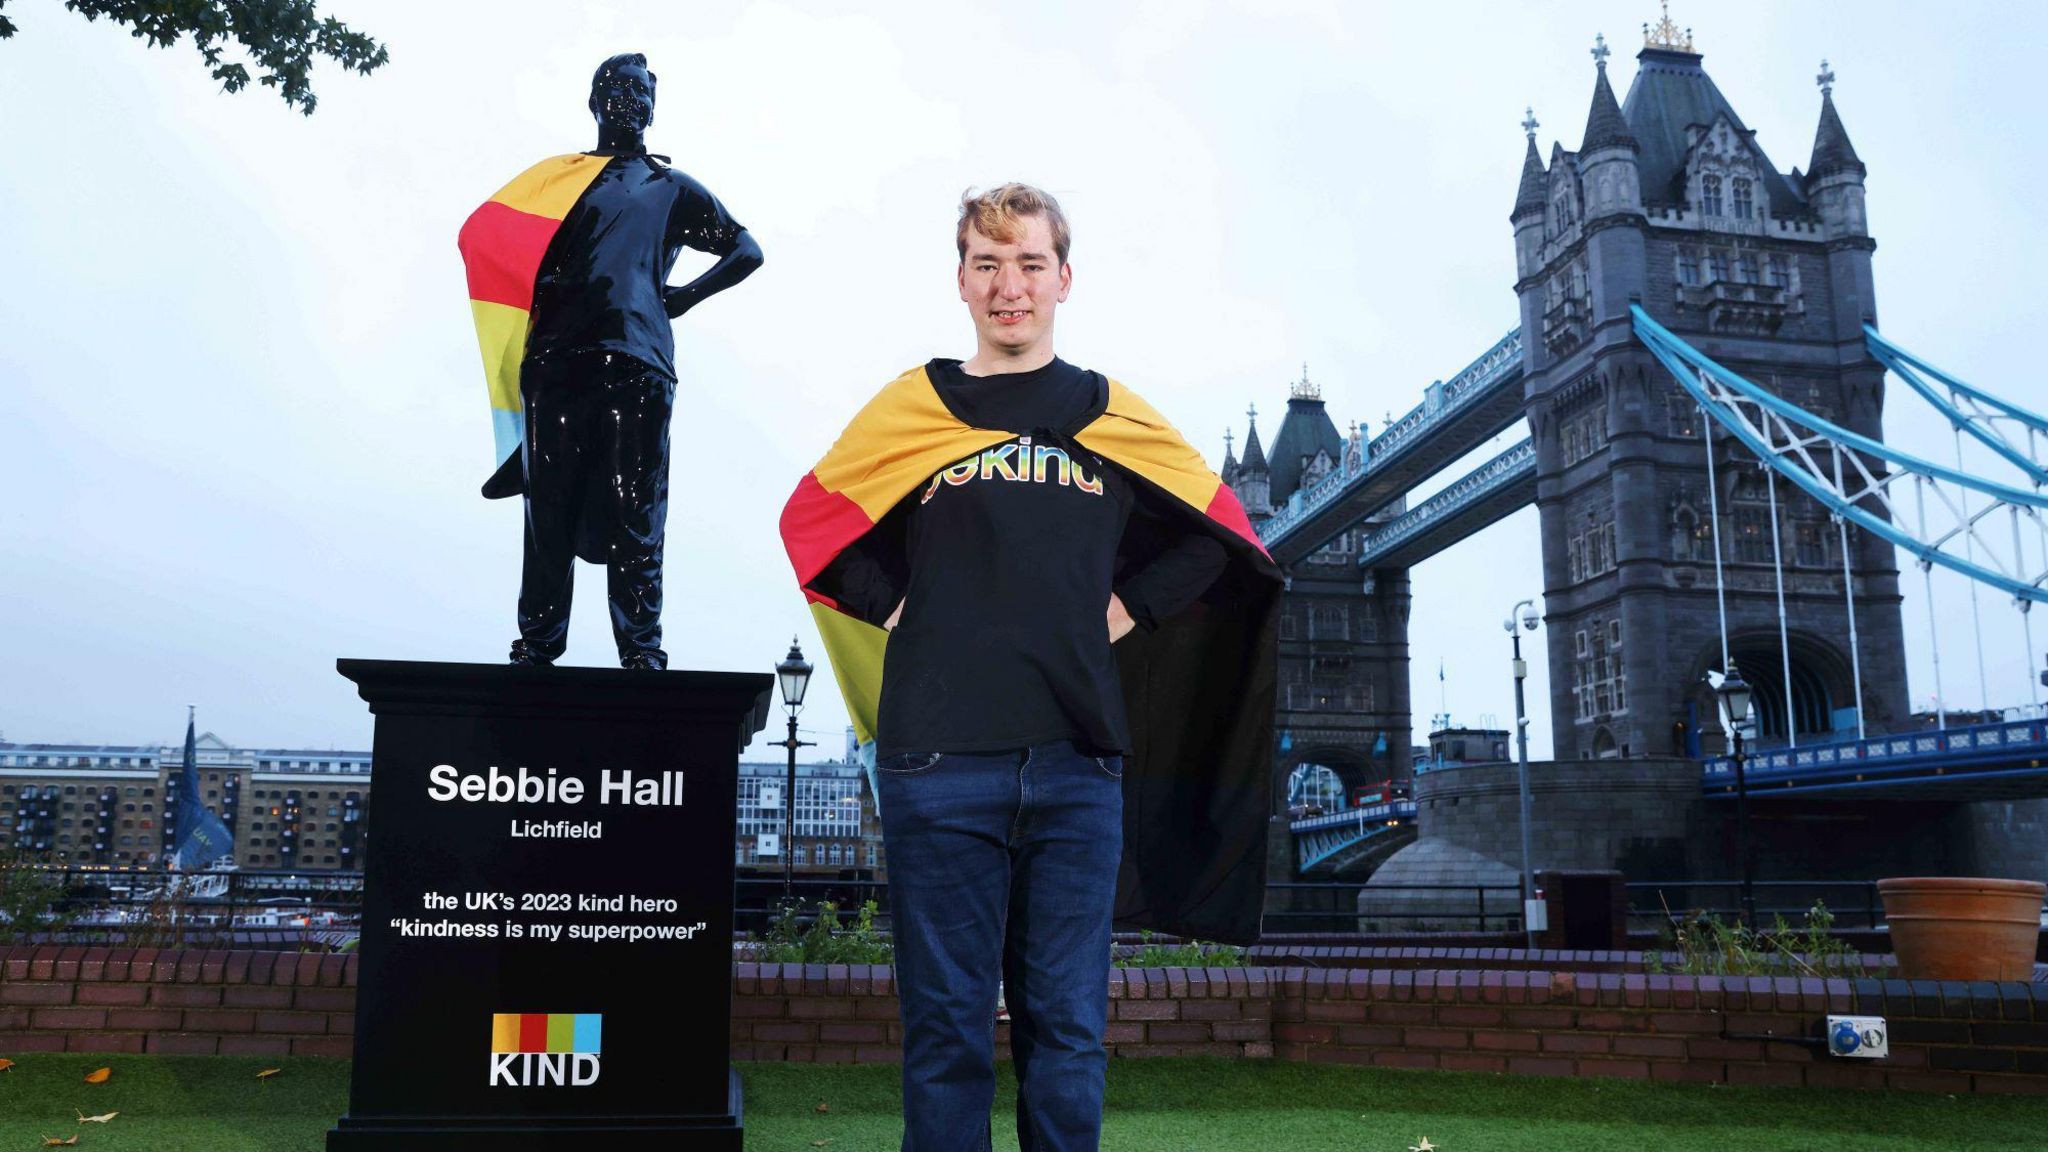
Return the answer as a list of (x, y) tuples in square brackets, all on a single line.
[(216, 1104), (1211, 1105), (172, 1103)]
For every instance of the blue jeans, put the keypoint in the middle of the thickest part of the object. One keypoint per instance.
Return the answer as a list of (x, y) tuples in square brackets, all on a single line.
[(1002, 861)]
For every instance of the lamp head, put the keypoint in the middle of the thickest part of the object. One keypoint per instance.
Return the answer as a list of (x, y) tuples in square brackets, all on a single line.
[(1738, 693), (1734, 694), (794, 673)]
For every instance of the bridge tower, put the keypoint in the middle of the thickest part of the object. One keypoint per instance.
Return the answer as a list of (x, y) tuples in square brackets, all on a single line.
[(1671, 202), (1343, 667)]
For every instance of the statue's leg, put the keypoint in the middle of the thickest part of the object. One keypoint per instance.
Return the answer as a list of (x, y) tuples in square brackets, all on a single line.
[(637, 447), (556, 456)]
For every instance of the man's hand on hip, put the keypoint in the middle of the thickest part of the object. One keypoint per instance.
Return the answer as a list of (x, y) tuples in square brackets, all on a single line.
[(1120, 622)]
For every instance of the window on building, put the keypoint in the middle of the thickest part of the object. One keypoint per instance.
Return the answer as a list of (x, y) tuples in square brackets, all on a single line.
[(1717, 267), (1682, 415), (1584, 433), (1752, 533), (1779, 271), (1812, 544), (1710, 195), (1688, 267), (1745, 268), (1597, 672), (1743, 199)]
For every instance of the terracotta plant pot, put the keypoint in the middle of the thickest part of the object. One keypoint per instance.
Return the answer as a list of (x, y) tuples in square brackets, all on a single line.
[(1963, 927)]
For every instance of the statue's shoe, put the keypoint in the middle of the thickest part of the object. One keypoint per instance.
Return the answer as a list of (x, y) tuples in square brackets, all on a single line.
[(523, 656)]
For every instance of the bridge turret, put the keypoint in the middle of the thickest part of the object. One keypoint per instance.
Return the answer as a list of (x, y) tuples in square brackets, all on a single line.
[(1834, 176), (1254, 478), (1530, 199), (1609, 183), (1834, 187)]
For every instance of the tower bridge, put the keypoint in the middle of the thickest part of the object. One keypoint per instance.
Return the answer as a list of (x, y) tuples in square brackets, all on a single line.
[(1702, 380)]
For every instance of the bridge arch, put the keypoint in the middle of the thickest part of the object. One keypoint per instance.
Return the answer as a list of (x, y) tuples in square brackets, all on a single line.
[(1352, 768), (1822, 682)]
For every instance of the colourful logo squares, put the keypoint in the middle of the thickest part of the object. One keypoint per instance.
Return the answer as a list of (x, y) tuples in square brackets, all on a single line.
[(546, 1032)]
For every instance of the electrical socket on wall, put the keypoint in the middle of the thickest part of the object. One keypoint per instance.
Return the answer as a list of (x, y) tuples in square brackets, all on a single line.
[(1859, 1037)]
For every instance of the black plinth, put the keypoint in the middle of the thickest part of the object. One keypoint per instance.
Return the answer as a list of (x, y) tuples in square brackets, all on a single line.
[(547, 909)]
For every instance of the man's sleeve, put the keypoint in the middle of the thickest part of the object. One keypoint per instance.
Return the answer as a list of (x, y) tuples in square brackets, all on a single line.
[(698, 220), (868, 578), (1184, 561)]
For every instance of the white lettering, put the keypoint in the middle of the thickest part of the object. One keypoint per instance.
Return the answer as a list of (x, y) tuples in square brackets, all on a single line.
[(441, 782)]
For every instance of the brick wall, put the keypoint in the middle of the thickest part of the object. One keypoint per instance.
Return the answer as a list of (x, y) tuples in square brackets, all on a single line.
[(1945, 1037), (229, 1003)]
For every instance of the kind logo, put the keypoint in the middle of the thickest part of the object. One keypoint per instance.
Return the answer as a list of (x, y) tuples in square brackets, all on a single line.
[(545, 1049)]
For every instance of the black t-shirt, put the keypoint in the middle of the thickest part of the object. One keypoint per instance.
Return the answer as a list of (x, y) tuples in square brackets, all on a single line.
[(1005, 562), (600, 286)]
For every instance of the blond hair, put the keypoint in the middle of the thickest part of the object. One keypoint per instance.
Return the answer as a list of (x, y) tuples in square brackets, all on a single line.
[(996, 212)]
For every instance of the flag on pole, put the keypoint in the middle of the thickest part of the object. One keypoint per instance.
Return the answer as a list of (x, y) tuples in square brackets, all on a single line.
[(202, 838)]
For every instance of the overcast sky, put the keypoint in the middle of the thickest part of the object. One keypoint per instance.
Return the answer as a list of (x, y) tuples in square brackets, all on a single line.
[(242, 419)]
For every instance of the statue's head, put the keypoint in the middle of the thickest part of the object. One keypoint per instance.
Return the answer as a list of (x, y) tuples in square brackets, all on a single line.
[(622, 93)]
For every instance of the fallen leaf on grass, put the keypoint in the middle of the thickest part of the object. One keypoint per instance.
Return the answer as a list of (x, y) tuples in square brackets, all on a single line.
[(53, 1142), (822, 1107), (98, 1075), (102, 1118), (5, 1064), (821, 1143), (267, 1073)]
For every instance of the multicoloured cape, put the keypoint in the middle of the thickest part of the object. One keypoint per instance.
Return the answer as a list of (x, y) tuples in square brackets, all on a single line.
[(1198, 690), (503, 243)]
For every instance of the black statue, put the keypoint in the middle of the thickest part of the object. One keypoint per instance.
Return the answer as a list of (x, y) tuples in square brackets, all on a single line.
[(568, 268)]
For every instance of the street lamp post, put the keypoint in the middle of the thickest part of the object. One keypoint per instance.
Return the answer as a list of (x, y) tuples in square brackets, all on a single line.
[(1734, 696), (794, 674), (1526, 611)]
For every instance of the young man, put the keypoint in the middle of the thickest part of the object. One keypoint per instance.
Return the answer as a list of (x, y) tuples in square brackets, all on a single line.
[(1039, 602)]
